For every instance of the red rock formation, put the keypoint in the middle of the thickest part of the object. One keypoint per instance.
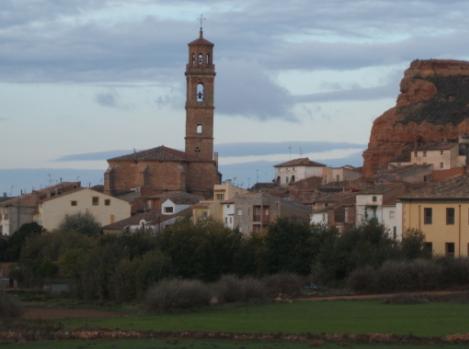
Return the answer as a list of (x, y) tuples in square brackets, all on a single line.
[(433, 106)]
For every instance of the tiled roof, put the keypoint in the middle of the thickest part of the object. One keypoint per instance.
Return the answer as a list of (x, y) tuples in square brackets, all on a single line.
[(456, 188), (179, 197), (152, 217), (201, 41), (300, 162), (160, 153), (37, 196)]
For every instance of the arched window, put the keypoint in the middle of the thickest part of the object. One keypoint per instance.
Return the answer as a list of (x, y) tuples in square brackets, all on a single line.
[(200, 58), (208, 59), (194, 61), (292, 180), (200, 92), (199, 129)]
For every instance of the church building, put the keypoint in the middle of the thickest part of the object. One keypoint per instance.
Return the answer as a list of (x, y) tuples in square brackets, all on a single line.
[(163, 169)]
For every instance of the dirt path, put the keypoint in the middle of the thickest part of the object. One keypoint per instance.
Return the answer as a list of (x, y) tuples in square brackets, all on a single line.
[(39, 313), (384, 295)]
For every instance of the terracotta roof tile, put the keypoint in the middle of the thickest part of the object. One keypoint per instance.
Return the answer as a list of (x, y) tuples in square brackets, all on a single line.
[(160, 153)]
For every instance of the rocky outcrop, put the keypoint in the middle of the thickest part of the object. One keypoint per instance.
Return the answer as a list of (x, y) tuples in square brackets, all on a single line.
[(433, 106)]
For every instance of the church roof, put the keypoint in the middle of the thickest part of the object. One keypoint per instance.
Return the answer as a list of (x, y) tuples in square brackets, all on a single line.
[(201, 41), (160, 153)]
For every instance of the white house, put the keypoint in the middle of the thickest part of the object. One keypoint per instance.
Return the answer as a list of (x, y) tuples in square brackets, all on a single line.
[(384, 209), (295, 170), (229, 212)]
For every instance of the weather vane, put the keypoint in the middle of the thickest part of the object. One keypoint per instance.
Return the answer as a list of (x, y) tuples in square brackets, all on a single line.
[(202, 19)]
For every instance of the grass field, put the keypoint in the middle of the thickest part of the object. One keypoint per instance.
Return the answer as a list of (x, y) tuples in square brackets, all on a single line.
[(431, 319), (187, 344)]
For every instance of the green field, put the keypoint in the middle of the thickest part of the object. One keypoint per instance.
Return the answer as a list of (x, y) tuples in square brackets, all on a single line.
[(431, 319), (188, 344)]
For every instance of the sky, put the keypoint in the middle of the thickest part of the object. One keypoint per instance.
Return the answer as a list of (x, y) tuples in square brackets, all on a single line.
[(84, 77)]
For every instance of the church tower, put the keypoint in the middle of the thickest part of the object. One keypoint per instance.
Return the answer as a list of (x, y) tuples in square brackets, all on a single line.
[(200, 77)]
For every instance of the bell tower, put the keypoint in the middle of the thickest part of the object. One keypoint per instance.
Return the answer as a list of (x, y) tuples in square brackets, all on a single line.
[(200, 77)]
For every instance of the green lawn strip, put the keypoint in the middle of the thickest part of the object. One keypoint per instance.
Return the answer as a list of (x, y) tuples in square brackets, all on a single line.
[(202, 344), (432, 319)]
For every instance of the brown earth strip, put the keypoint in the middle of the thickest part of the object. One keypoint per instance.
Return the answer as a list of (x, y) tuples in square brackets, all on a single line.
[(23, 335)]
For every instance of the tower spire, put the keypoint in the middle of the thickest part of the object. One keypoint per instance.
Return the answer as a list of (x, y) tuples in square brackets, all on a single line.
[(201, 21)]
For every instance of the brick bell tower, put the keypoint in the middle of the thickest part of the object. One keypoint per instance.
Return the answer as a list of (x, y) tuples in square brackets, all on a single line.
[(200, 77)]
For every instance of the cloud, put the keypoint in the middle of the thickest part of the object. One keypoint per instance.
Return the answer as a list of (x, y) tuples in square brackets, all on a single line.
[(244, 88), (106, 99), (3, 119)]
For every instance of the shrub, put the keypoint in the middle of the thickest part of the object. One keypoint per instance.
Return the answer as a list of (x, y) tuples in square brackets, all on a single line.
[(231, 289), (455, 271), (177, 294), (287, 284), (9, 306), (363, 279), (83, 223), (394, 276)]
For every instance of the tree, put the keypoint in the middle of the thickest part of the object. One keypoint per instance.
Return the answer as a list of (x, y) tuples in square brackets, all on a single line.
[(83, 223), (413, 245), (289, 247), (17, 240)]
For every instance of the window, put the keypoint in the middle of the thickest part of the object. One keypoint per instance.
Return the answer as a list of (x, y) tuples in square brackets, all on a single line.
[(200, 92), (449, 249), (391, 214), (441, 152), (73, 203), (95, 201), (168, 209), (5, 216), (428, 247), (449, 215), (394, 232), (199, 129), (200, 58), (208, 59), (374, 198), (193, 59), (220, 196), (107, 202), (292, 179), (441, 165), (427, 215)]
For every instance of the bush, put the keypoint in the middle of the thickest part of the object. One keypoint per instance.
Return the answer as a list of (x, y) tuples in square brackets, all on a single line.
[(9, 306), (455, 271), (231, 289), (177, 294), (286, 284), (83, 223), (394, 276), (363, 279)]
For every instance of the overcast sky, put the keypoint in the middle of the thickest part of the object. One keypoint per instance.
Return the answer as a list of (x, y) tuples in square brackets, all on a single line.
[(80, 76)]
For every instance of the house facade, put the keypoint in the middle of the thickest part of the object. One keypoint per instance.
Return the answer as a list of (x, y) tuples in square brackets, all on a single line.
[(104, 208), (295, 170), (441, 213)]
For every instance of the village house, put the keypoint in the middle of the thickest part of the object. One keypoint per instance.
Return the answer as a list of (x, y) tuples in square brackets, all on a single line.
[(441, 212), (291, 171), (214, 209), (104, 208), (341, 174), (21, 210), (334, 210), (381, 204)]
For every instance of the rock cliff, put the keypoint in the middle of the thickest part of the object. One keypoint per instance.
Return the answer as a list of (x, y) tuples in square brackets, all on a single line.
[(433, 106)]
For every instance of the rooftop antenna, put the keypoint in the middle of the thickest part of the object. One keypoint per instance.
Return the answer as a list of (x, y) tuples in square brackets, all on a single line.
[(289, 151), (202, 19), (301, 151)]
